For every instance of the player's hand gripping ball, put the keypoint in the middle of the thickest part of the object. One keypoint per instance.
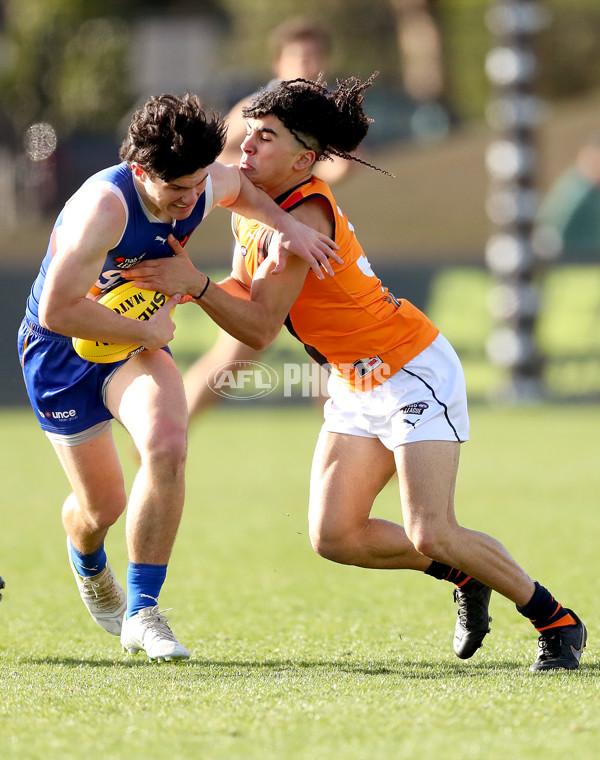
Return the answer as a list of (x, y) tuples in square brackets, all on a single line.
[(130, 301)]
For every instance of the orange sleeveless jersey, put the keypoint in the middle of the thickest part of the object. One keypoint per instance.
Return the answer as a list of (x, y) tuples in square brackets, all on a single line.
[(350, 321)]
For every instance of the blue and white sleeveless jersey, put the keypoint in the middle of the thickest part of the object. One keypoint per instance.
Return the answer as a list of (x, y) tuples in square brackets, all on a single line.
[(144, 237)]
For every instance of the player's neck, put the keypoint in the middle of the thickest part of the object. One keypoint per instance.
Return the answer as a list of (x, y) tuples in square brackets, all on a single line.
[(284, 188), (149, 206)]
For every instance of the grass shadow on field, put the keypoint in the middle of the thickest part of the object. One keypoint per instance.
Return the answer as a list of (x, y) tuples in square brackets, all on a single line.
[(74, 662), (418, 670)]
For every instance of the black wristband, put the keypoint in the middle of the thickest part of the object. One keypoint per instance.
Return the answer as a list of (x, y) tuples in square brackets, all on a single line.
[(204, 289)]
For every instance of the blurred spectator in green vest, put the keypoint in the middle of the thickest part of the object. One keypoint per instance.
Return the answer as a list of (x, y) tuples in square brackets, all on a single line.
[(569, 216)]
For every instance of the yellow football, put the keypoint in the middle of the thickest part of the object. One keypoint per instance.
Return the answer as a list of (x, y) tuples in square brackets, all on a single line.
[(130, 301)]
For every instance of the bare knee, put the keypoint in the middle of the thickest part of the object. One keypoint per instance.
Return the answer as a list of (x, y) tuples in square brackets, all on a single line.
[(334, 545), (97, 512), (429, 540), (166, 451)]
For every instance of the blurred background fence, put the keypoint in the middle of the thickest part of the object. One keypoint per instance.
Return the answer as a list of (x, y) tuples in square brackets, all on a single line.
[(72, 72)]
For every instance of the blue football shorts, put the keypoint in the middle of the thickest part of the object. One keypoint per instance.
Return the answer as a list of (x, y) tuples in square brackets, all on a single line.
[(67, 393)]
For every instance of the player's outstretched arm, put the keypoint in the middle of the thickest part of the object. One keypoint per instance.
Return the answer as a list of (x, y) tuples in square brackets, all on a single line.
[(238, 194), (255, 321)]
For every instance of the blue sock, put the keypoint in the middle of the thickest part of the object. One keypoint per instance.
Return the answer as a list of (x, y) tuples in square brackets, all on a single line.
[(88, 565), (144, 583)]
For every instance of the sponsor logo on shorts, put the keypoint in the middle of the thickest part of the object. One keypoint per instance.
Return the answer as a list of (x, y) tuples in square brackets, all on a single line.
[(67, 414), (417, 408)]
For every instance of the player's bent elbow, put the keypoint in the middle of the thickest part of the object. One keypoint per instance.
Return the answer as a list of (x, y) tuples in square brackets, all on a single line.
[(49, 320), (260, 341), (45, 324)]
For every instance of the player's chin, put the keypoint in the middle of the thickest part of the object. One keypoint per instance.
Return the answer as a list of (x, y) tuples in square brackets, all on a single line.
[(253, 175)]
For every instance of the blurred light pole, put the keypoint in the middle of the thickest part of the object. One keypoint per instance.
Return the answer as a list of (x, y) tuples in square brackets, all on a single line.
[(514, 113)]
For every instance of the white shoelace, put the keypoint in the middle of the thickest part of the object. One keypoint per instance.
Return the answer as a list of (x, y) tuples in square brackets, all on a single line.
[(101, 592), (155, 624)]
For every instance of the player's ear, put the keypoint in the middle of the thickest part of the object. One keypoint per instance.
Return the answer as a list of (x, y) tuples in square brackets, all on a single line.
[(137, 170), (305, 160)]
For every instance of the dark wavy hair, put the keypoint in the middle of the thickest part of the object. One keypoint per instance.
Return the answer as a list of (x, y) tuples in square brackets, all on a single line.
[(172, 136), (332, 123)]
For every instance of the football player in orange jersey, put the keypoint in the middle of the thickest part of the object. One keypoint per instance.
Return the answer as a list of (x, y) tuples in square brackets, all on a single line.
[(398, 398), (301, 48)]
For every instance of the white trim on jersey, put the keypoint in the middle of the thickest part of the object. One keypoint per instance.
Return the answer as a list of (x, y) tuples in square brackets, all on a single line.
[(208, 201)]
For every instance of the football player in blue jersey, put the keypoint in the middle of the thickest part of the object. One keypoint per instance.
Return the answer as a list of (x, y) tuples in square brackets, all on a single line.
[(167, 183)]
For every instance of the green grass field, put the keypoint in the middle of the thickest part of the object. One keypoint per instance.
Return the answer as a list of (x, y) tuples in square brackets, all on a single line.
[(295, 657)]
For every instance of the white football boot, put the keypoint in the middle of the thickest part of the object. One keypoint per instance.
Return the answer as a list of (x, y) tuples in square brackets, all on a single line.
[(103, 597), (148, 630)]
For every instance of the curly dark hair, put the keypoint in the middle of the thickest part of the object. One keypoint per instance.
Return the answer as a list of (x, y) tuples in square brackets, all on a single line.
[(172, 136), (328, 122)]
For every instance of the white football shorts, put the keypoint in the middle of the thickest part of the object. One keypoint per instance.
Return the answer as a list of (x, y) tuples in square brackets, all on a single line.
[(426, 400)]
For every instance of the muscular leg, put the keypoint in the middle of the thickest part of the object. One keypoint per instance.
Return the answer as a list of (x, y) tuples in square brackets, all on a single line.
[(427, 475), (349, 471), (347, 474), (146, 395), (98, 497), (97, 501)]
